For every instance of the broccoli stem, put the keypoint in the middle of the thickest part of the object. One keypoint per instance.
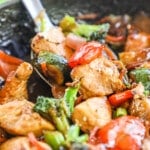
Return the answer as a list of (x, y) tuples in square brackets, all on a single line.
[(54, 138), (70, 97), (60, 120), (59, 112)]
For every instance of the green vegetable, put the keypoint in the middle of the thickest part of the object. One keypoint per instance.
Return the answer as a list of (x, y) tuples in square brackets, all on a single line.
[(101, 33), (141, 75), (56, 65), (88, 31), (91, 32), (52, 109), (73, 133), (52, 58), (120, 111), (68, 23), (43, 104), (70, 97), (59, 111), (54, 139)]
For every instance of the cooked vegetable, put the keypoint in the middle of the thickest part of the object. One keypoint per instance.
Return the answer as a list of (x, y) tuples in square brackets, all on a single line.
[(8, 63), (59, 112), (141, 75), (90, 32), (86, 53), (53, 66), (119, 98), (120, 111), (68, 23), (55, 110), (126, 132), (54, 139)]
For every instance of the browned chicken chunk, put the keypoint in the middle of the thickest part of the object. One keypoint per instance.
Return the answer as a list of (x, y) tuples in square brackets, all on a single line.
[(99, 78), (94, 112), (135, 57), (15, 87), (18, 118), (52, 40), (137, 41), (140, 107), (21, 143)]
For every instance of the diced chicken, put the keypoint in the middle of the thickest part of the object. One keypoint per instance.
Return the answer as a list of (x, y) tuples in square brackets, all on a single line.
[(21, 143), (18, 118), (146, 144), (137, 41), (15, 87), (52, 40), (98, 78), (94, 112), (135, 57), (140, 107)]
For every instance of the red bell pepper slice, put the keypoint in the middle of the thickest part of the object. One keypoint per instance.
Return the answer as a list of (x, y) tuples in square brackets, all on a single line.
[(86, 53), (119, 98), (8, 63)]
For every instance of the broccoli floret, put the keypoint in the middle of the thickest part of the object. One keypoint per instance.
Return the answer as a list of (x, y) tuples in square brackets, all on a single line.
[(141, 75), (92, 32), (54, 111), (59, 111), (88, 31), (43, 104)]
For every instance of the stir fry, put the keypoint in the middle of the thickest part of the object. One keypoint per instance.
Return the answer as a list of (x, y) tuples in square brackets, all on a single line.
[(99, 78)]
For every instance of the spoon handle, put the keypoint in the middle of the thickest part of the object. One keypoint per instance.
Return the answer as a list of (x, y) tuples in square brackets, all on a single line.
[(38, 14)]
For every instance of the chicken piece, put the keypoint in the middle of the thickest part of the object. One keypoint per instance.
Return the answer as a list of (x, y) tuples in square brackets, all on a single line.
[(140, 107), (137, 41), (18, 118), (135, 57), (21, 143), (94, 112), (53, 41), (98, 78), (15, 87), (146, 144)]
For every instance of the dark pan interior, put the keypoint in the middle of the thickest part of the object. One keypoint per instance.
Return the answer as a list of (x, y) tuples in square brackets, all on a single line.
[(57, 8)]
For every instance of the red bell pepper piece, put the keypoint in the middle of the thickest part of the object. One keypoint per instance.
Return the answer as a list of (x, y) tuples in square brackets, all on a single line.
[(8, 63), (119, 98), (86, 53)]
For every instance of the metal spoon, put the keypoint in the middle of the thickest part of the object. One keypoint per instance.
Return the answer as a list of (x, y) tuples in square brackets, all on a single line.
[(38, 14)]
